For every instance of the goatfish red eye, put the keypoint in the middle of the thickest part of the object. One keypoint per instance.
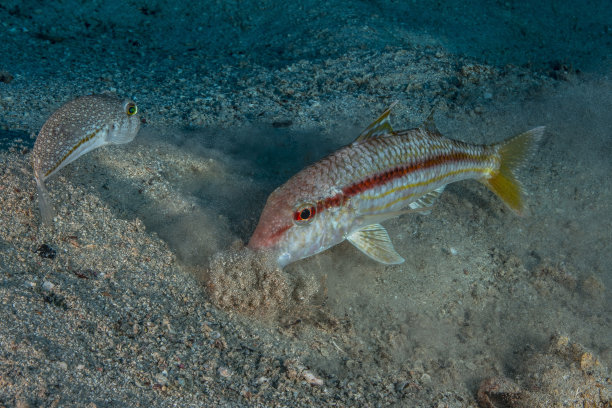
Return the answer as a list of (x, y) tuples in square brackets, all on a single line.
[(304, 213)]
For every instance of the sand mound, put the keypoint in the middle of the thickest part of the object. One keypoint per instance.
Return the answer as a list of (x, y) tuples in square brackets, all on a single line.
[(251, 283)]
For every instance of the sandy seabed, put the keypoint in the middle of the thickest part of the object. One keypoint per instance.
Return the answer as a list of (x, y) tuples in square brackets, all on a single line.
[(141, 293)]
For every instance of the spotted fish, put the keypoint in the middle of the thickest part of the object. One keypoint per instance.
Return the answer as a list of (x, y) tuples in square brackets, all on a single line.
[(76, 128), (381, 175)]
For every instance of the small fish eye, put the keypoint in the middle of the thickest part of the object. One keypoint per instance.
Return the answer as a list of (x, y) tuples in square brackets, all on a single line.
[(131, 109), (304, 213)]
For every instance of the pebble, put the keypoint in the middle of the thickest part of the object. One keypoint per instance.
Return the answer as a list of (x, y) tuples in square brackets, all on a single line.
[(593, 287), (46, 251), (47, 286), (224, 372), (6, 77), (162, 378), (311, 378)]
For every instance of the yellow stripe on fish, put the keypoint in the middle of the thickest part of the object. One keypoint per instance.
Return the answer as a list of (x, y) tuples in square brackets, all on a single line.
[(421, 184), (381, 175), (63, 159)]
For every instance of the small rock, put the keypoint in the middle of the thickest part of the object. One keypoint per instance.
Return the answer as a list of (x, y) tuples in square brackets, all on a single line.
[(588, 361), (162, 379), (48, 286), (21, 403), (352, 364), (262, 380), (45, 251), (592, 287), (497, 392), (224, 372), (282, 123), (62, 365), (311, 378), (5, 77)]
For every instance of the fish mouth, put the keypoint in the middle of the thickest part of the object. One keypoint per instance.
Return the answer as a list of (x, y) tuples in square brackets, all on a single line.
[(266, 238), (258, 242), (266, 243)]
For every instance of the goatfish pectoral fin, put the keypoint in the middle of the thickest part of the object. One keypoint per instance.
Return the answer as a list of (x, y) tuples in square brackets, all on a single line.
[(512, 154), (373, 240), (44, 202)]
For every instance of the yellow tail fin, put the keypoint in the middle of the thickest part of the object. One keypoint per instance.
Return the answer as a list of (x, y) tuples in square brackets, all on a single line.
[(512, 154)]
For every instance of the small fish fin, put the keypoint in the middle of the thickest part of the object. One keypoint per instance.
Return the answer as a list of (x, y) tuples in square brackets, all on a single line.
[(380, 127), (424, 204), (375, 218), (373, 240), (430, 125), (512, 154), (44, 203)]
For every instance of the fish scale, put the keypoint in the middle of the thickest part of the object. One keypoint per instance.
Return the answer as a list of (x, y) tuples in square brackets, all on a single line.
[(381, 175)]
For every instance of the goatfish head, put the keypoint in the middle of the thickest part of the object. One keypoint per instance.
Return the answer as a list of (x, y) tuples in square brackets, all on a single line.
[(301, 218)]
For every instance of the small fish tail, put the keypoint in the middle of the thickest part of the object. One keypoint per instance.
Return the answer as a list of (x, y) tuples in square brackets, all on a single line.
[(512, 154), (44, 203)]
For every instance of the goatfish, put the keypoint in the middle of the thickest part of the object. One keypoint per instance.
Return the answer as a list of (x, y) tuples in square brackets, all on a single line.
[(381, 175), (77, 127)]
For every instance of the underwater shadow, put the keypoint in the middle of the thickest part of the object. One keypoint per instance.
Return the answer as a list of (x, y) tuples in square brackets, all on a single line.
[(203, 189)]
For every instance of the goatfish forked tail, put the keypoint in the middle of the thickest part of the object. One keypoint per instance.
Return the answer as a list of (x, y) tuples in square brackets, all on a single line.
[(381, 175)]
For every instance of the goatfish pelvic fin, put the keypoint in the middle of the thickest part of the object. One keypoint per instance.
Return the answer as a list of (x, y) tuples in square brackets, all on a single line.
[(373, 240)]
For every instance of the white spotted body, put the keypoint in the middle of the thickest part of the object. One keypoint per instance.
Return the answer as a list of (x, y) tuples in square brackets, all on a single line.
[(76, 128)]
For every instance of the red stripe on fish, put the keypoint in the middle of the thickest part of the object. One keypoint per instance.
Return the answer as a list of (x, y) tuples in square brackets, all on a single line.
[(390, 175)]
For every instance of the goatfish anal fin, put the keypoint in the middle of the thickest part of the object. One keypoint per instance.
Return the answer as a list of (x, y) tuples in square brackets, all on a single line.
[(380, 127), (373, 240), (424, 204), (513, 153), (421, 206)]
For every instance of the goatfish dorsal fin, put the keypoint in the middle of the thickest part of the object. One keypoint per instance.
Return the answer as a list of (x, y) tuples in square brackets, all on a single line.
[(380, 127), (373, 240)]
